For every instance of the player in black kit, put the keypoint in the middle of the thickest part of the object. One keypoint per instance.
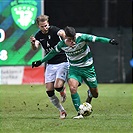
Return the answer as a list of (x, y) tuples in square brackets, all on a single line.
[(56, 68)]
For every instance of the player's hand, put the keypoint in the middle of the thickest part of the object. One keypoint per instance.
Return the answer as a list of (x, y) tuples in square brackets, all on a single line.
[(32, 39), (113, 42), (36, 63)]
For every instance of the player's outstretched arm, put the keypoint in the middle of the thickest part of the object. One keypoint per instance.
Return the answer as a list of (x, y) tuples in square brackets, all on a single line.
[(49, 56), (106, 40)]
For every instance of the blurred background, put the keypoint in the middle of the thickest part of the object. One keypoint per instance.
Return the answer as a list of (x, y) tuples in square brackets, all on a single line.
[(107, 18)]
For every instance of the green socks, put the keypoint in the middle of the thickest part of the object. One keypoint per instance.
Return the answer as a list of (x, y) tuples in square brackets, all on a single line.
[(76, 100)]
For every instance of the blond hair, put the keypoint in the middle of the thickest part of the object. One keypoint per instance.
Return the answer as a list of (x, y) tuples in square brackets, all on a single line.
[(42, 18)]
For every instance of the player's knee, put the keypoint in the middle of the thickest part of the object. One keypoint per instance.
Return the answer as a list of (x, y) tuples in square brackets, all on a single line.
[(50, 93), (73, 90), (59, 89), (95, 95), (94, 92)]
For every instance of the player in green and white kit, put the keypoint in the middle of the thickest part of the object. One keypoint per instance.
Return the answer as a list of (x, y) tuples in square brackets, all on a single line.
[(80, 58)]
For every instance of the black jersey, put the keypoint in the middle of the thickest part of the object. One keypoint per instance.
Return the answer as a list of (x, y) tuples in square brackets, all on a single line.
[(48, 42)]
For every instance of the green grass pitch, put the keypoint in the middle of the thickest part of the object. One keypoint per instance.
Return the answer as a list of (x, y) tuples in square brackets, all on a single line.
[(27, 109)]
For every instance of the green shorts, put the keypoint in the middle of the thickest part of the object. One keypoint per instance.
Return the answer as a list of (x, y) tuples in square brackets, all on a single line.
[(86, 74)]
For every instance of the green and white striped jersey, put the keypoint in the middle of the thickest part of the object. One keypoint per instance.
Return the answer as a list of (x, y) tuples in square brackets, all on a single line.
[(79, 55)]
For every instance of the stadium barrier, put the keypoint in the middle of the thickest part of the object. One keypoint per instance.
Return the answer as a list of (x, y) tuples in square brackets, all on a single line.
[(21, 75)]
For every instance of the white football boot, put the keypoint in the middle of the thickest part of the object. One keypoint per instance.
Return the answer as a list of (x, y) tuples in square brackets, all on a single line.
[(63, 114), (79, 116)]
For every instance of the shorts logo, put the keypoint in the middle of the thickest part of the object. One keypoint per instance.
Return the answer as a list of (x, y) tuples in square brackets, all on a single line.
[(91, 79), (24, 12)]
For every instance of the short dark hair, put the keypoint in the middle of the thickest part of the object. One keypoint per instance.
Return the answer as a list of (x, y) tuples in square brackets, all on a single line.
[(70, 31)]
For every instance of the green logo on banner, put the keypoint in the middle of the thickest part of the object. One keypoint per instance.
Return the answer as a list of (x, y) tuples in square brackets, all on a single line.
[(24, 12)]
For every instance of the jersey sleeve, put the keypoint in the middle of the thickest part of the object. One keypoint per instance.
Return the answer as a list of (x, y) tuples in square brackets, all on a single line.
[(58, 47), (49, 56), (55, 29), (92, 38), (102, 39)]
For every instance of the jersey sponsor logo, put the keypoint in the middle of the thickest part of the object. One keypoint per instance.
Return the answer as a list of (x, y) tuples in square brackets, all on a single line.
[(77, 49), (75, 52)]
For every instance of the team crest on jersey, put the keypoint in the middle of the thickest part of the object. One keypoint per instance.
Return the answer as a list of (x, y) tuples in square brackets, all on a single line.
[(49, 37), (48, 45)]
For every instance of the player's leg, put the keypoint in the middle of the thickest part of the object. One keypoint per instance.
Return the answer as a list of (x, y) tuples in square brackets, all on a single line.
[(60, 87), (49, 81), (73, 85), (74, 80), (91, 80), (91, 93), (54, 100), (61, 77)]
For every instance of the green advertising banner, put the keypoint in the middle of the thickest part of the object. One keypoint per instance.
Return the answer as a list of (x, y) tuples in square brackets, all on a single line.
[(17, 24)]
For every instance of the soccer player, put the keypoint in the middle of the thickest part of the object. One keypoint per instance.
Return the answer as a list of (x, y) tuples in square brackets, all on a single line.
[(81, 67), (57, 67)]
